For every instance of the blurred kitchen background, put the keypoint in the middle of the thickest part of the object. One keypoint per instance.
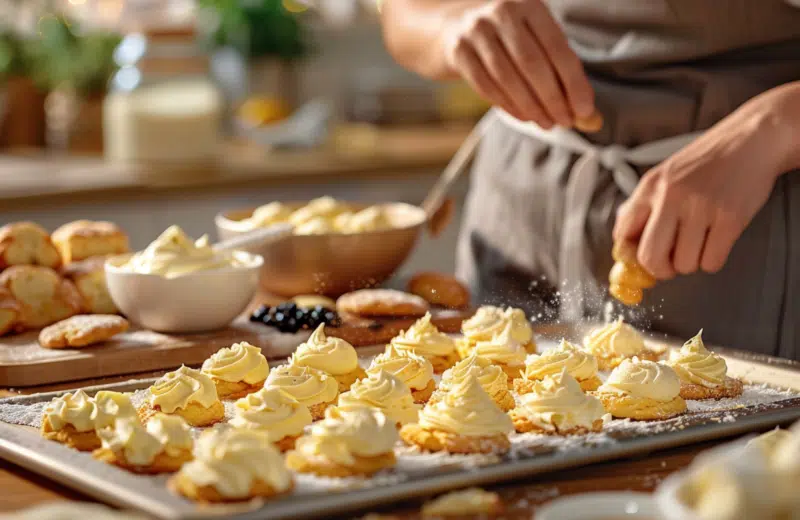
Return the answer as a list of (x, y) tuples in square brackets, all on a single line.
[(158, 112)]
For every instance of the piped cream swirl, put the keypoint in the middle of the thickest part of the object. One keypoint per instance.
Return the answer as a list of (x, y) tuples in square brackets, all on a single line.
[(181, 387), (645, 379), (110, 407), (424, 339), (613, 340), (502, 348), (307, 385), (415, 371), (696, 365), (558, 403), (384, 392), (132, 440), (491, 377), (490, 321), (332, 355), (273, 411), (466, 410), (241, 362), (579, 364), (75, 409)]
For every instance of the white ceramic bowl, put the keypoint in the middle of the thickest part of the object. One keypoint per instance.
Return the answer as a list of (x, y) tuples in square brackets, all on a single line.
[(668, 498), (194, 302), (601, 506)]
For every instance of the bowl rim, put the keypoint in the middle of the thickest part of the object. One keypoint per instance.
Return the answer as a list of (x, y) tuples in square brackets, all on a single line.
[(577, 505), (254, 263), (666, 496)]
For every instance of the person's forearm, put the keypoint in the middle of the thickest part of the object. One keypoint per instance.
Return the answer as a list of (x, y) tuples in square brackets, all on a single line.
[(790, 95)]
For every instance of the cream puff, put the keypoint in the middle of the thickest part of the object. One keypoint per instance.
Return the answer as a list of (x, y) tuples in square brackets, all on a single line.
[(237, 370), (489, 321), (616, 341), (110, 407), (233, 465), (556, 405), (312, 388), (642, 390), (359, 442), (504, 351), (384, 392), (491, 377), (274, 412), (579, 364), (185, 392), (703, 373), (467, 420), (424, 339), (413, 370), (163, 446), (334, 356), (69, 419)]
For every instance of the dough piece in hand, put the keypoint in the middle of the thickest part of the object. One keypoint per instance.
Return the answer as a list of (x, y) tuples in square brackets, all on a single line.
[(628, 278), (591, 124), (89, 277), (82, 330), (27, 243), (440, 289), (382, 303), (10, 311), (84, 239), (44, 296)]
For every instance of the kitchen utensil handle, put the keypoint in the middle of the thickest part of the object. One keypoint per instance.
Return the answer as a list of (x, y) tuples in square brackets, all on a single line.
[(255, 238)]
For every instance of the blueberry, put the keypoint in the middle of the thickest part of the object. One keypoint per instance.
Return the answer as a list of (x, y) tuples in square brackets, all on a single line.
[(278, 317), (259, 313), (299, 314), (316, 315), (292, 325), (320, 309)]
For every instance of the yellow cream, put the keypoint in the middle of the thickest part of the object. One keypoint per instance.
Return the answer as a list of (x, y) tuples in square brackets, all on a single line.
[(645, 379), (110, 407), (272, 411), (490, 321), (173, 433), (466, 410), (373, 218), (128, 437), (237, 363), (579, 364), (77, 410), (694, 364), (415, 371), (615, 339), (265, 216), (315, 226), (231, 460), (307, 385), (464, 502), (183, 386), (424, 339), (384, 392), (491, 377), (502, 349), (558, 403), (343, 436), (326, 208), (174, 254), (769, 441), (332, 355)]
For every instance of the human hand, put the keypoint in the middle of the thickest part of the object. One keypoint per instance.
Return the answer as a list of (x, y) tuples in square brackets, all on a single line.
[(514, 54)]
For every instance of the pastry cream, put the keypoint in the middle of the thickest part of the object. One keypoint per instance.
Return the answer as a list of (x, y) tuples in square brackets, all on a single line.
[(231, 460), (615, 339), (373, 218), (110, 407), (579, 364), (78, 410), (385, 392), (424, 339), (361, 432), (272, 411), (239, 362), (307, 385), (490, 321), (326, 208), (332, 355), (172, 431), (466, 410), (491, 377), (265, 216), (641, 378), (315, 226), (415, 371), (696, 365), (502, 348), (770, 440), (174, 254), (130, 438), (558, 403), (183, 386)]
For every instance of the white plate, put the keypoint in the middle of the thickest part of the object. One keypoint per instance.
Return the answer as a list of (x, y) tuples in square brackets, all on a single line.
[(601, 506)]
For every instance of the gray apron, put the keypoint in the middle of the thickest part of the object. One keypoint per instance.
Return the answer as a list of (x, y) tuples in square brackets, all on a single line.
[(660, 68)]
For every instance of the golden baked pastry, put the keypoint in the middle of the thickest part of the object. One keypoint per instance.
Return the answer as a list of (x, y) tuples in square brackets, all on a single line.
[(556, 405), (111, 406), (616, 341), (237, 370), (466, 420), (579, 364), (384, 392), (489, 321), (274, 412), (84, 239), (233, 465), (89, 277), (642, 390), (382, 303), (359, 442), (185, 392), (439, 289), (27, 243), (413, 370), (312, 388), (162, 447), (628, 278), (424, 339), (82, 330), (332, 355), (491, 377), (69, 419), (703, 373), (309, 301), (44, 297), (10, 311), (465, 502)]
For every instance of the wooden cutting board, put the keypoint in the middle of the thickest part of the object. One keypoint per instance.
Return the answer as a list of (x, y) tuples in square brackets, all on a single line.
[(24, 363)]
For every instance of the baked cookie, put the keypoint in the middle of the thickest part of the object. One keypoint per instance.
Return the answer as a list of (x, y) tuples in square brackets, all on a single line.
[(10, 311), (642, 390), (89, 277), (628, 278), (491, 377), (27, 243), (69, 419), (84, 239), (274, 412), (237, 370), (382, 303), (579, 364), (615, 342), (309, 301), (82, 330), (44, 297), (313, 388), (424, 339), (413, 370), (472, 502), (185, 392), (703, 374), (489, 321), (440, 289), (333, 356), (384, 392)]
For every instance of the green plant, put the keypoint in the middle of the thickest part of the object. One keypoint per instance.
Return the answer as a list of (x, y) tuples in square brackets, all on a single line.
[(11, 55), (256, 28)]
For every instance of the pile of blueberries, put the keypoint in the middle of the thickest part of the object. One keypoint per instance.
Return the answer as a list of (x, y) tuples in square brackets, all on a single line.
[(288, 317)]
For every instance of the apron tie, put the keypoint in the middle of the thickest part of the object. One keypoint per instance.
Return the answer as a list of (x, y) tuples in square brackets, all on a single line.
[(577, 282)]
